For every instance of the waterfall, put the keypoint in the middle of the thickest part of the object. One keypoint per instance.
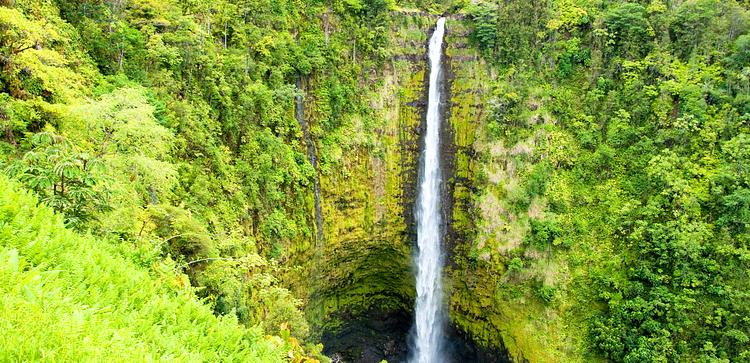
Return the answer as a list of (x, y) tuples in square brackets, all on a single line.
[(300, 115), (429, 314)]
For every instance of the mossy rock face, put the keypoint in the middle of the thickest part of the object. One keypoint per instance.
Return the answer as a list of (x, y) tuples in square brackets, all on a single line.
[(363, 270), (471, 307), (498, 309), (494, 313), (358, 284)]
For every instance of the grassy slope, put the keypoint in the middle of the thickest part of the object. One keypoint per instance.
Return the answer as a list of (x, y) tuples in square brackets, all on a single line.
[(67, 297)]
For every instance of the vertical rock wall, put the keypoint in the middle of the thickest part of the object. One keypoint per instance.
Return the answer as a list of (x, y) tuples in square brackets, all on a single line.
[(364, 285), (359, 286), (468, 82)]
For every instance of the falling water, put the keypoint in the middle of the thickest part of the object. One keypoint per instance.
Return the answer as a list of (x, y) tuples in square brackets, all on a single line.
[(429, 305), (300, 115)]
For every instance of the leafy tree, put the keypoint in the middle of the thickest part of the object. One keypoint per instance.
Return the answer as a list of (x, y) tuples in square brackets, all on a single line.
[(629, 29), (69, 181), (18, 35), (247, 286), (639, 159), (484, 17), (741, 55)]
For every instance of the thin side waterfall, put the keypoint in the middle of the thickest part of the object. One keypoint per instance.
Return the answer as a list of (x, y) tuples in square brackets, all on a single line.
[(429, 311), (300, 115)]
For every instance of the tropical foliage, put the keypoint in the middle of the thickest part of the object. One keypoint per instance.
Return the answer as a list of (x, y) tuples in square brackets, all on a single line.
[(157, 195), (67, 297), (626, 125), (169, 126)]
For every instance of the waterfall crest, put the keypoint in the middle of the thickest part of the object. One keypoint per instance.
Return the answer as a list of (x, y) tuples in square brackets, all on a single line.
[(429, 313)]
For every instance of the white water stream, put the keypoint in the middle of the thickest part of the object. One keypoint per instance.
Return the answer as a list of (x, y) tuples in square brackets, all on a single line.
[(429, 314)]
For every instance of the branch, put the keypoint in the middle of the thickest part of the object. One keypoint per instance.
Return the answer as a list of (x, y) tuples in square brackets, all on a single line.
[(209, 259), (175, 236)]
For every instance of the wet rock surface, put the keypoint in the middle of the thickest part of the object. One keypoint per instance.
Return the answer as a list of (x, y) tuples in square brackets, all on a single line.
[(381, 336)]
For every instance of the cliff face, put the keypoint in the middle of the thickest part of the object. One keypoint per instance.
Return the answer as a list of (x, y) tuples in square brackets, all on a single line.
[(485, 303), (469, 81), (362, 292), (358, 283)]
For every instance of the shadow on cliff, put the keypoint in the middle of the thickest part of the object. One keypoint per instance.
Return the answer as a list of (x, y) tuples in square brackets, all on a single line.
[(378, 336)]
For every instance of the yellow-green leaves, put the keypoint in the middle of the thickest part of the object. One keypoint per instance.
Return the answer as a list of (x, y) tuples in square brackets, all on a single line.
[(65, 297), (567, 16), (18, 34)]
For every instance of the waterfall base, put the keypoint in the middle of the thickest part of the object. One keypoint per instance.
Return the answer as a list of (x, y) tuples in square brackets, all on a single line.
[(370, 339), (459, 349), (379, 336)]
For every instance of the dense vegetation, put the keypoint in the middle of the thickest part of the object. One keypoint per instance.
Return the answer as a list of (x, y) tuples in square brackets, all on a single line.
[(169, 126), (603, 214), (615, 191), (67, 297)]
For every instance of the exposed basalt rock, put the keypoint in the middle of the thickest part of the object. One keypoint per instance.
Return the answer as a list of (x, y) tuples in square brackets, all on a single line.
[(413, 58), (312, 157), (466, 58), (370, 338), (415, 13)]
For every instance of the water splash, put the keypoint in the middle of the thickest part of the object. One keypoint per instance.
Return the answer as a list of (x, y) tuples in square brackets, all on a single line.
[(429, 313)]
